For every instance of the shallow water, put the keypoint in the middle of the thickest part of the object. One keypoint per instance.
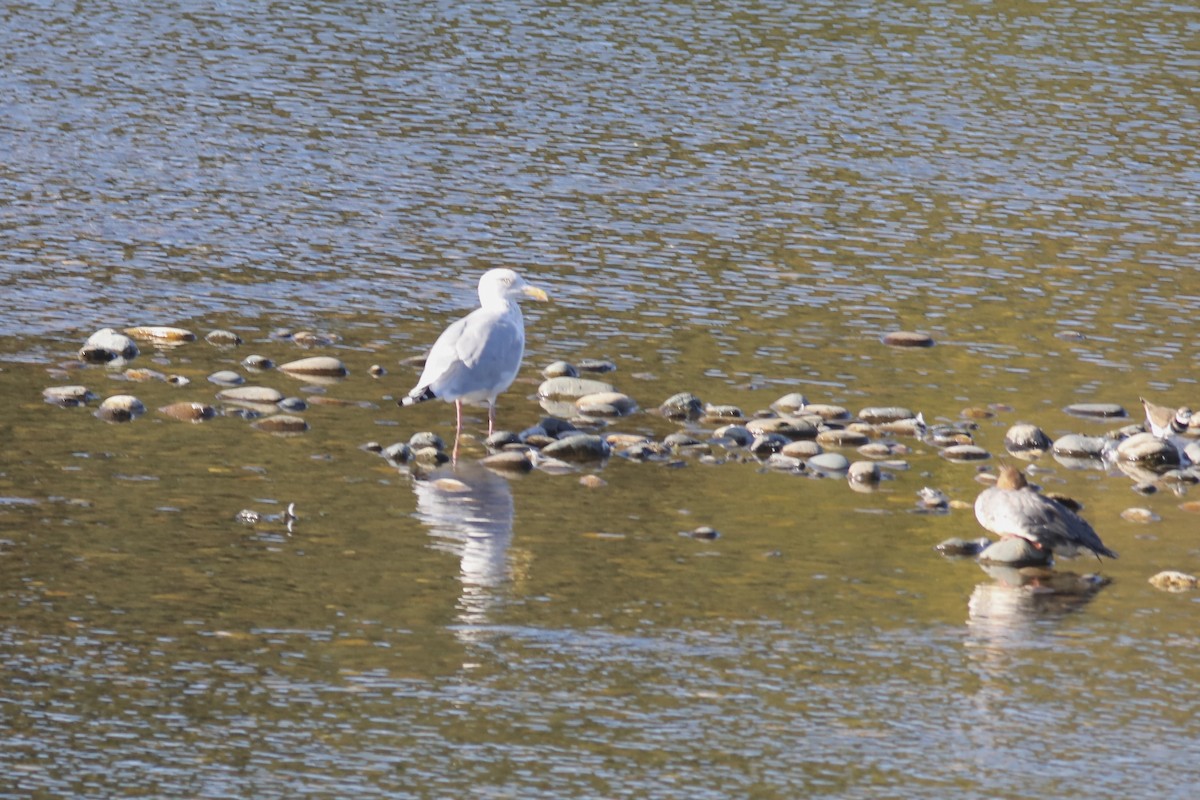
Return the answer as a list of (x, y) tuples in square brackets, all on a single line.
[(732, 199)]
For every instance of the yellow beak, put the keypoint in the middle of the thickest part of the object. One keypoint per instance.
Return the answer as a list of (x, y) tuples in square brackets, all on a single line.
[(535, 293)]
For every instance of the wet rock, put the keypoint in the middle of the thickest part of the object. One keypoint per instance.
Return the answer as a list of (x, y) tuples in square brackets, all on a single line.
[(1026, 441), (372, 447), (977, 413), (578, 447), (596, 365), (308, 339), (508, 461), (68, 396), (841, 437), (429, 456), (255, 396), (907, 339), (790, 403), (619, 441), (703, 532), (802, 449), (929, 498), (426, 439), (827, 412), (1192, 450), (1075, 445), (501, 439), (606, 404), (281, 424), (161, 334), (829, 464), (1147, 450), (316, 366), (725, 412), (143, 375), (188, 412), (376, 371), (782, 463), (226, 377), (258, 363), (222, 338), (912, 426), (1096, 410), (295, 405), (881, 450), (1191, 506), (767, 443), (1141, 516), (948, 435), (963, 547), (864, 472), (787, 427), (1015, 551), (571, 388), (876, 415), (560, 369), (738, 435), (120, 408), (1172, 581), (644, 451), (107, 345), (965, 452), (397, 453), (592, 481), (178, 380), (684, 405)]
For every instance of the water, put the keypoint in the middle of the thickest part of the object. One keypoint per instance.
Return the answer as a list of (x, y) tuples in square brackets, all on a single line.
[(733, 199)]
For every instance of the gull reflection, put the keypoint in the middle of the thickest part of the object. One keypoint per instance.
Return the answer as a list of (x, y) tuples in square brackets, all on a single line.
[(469, 512)]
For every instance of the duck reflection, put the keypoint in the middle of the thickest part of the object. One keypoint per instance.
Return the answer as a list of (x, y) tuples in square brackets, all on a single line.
[(469, 512), (1005, 609)]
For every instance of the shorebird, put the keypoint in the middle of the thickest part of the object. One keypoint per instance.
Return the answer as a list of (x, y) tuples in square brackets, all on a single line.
[(1165, 422), (477, 357), (1014, 508)]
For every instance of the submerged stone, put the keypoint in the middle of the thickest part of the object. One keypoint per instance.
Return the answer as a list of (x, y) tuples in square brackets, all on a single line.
[(829, 463), (578, 447), (841, 437), (596, 365), (965, 452), (281, 423), (738, 435), (120, 408), (565, 388), (257, 363), (1148, 450), (226, 377), (907, 339), (606, 404), (790, 403), (223, 338), (1075, 445), (864, 472), (1026, 440), (188, 412), (398, 453), (68, 396), (683, 405), (258, 395), (560, 369), (425, 439), (1096, 410), (963, 547), (1015, 551), (161, 334), (876, 415), (317, 366), (508, 461), (107, 345)]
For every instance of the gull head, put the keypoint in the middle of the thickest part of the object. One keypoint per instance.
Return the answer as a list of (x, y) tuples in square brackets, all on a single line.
[(505, 285)]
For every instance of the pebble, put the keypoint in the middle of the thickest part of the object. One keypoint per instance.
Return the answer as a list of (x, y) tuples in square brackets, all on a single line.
[(161, 334), (282, 424), (68, 396), (143, 375), (316, 366), (827, 412), (841, 437), (308, 339), (254, 395), (571, 388), (1026, 440), (1172, 581), (790, 403), (508, 461), (829, 463), (914, 426), (766, 443), (376, 371), (223, 338), (802, 449), (398, 453), (501, 439), (722, 412), (908, 339), (120, 408), (592, 481), (188, 412), (876, 415), (684, 405), (429, 456), (298, 404), (738, 435), (1191, 506), (977, 413), (1140, 515), (596, 365), (107, 345), (560, 369), (1015, 551), (883, 450), (1147, 450), (1075, 445), (788, 427), (782, 463), (606, 404), (864, 472), (578, 447), (703, 532), (226, 377), (1096, 410), (426, 439), (931, 498), (258, 363), (965, 452)]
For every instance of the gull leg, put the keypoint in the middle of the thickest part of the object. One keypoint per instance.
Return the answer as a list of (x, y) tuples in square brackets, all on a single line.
[(491, 417), (457, 431)]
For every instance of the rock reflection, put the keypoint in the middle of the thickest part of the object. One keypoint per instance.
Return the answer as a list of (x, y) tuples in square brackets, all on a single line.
[(469, 512)]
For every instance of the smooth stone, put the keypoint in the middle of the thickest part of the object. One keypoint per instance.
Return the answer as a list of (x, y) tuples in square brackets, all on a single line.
[(376, 371), (877, 415), (188, 412), (578, 447), (560, 369), (965, 452), (683, 405), (1014, 551), (948, 435), (556, 427), (680, 439), (790, 403), (723, 412), (107, 345), (703, 532), (222, 338), (571, 388), (1096, 410), (281, 423), (739, 435), (1140, 515), (226, 377), (257, 362), (645, 451), (68, 396), (1174, 581), (1147, 450), (907, 339), (1192, 451), (161, 334), (596, 365), (976, 413), (883, 450), (501, 439), (963, 547), (398, 453), (619, 441), (1024, 438), (829, 463), (839, 437), (426, 439), (429, 456), (120, 408), (259, 395), (767, 443), (606, 404), (296, 404), (827, 412), (143, 375), (864, 472), (1076, 445), (912, 426), (789, 427), (508, 461), (782, 463), (802, 448), (319, 366), (178, 380), (592, 481)]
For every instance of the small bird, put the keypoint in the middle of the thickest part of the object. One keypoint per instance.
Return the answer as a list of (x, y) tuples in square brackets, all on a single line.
[(1165, 422), (477, 357), (1014, 508)]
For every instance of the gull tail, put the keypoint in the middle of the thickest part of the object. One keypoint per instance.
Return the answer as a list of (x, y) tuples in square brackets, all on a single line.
[(416, 396)]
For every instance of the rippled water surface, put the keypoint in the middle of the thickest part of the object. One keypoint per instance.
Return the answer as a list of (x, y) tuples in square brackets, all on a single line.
[(735, 199)]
